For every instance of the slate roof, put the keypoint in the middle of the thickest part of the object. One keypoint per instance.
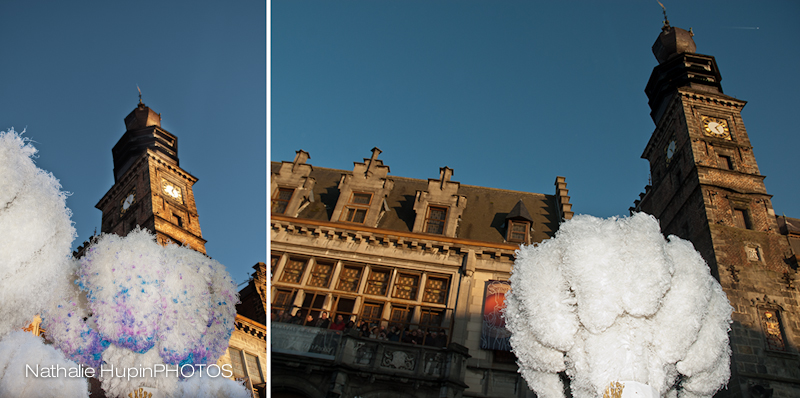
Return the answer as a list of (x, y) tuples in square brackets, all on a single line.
[(483, 219)]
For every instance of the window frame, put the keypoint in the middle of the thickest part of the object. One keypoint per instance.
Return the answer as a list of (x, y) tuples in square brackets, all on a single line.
[(431, 223), (743, 222), (368, 318), (277, 200), (510, 232), (725, 162), (412, 288), (287, 268), (373, 282), (232, 350), (315, 274), (444, 292), (357, 279), (352, 208), (766, 330)]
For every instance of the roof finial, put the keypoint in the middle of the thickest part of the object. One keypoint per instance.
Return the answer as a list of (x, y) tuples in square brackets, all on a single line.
[(666, 21), (140, 94)]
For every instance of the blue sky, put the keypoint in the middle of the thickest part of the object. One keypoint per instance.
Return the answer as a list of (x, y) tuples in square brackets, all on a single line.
[(511, 94), (69, 77)]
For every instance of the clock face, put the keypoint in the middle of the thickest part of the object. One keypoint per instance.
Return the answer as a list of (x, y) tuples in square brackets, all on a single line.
[(128, 201), (171, 190), (716, 127), (670, 150)]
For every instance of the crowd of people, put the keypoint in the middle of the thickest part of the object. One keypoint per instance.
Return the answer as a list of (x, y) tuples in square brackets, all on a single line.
[(432, 337)]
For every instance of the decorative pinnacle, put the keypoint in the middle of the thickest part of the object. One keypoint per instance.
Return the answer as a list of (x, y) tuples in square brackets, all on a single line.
[(666, 21)]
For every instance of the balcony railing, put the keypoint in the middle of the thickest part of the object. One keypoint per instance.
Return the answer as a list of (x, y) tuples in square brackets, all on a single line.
[(370, 355)]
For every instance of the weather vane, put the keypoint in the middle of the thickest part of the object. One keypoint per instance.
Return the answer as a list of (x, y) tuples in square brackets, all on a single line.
[(140, 92), (666, 21)]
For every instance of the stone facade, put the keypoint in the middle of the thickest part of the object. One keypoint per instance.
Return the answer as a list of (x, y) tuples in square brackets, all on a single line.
[(706, 187), (394, 265)]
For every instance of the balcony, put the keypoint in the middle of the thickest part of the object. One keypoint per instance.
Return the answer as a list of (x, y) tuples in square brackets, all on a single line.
[(365, 360)]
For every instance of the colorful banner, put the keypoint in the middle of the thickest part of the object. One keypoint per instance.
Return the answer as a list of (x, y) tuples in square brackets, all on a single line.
[(494, 335)]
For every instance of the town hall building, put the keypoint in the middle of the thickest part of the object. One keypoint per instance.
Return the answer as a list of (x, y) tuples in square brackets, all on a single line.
[(431, 259)]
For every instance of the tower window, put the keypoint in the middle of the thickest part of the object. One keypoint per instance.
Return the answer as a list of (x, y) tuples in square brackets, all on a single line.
[(434, 223), (281, 200), (741, 218), (773, 329), (178, 220), (725, 162), (518, 231), (356, 210)]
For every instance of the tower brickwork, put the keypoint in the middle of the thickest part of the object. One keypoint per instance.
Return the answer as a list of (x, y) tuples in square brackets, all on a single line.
[(706, 187)]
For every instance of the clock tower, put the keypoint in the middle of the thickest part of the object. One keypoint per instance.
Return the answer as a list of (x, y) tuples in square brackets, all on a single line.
[(150, 189), (706, 187)]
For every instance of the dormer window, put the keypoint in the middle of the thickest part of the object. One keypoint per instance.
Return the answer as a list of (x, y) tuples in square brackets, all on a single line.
[(356, 209), (281, 200), (434, 222), (518, 231), (518, 224)]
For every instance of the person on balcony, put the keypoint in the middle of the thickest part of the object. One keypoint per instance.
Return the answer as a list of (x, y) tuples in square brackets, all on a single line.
[(339, 323)]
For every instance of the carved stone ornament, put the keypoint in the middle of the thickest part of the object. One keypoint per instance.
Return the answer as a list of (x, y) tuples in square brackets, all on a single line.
[(398, 360)]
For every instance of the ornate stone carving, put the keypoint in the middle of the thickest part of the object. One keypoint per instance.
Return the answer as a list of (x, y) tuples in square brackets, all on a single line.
[(399, 360)]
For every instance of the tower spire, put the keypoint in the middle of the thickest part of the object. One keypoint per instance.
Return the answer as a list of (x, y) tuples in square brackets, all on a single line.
[(140, 95), (666, 21)]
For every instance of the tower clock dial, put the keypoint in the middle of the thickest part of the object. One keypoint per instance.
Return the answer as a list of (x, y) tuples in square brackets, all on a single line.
[(716, 127), (127, 202), (670, 150), (171, 190)]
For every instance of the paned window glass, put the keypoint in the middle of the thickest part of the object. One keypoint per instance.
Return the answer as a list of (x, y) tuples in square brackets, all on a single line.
[(321, 274), (378, 282), (405, 287), (356, 211), (281, 200), (401, 315), (434, 224), (283, 299), (349, 279), (371, 312), (435, 290), (253, 370), (518, 231), (432, 317), (236, 362), (293, 271)]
